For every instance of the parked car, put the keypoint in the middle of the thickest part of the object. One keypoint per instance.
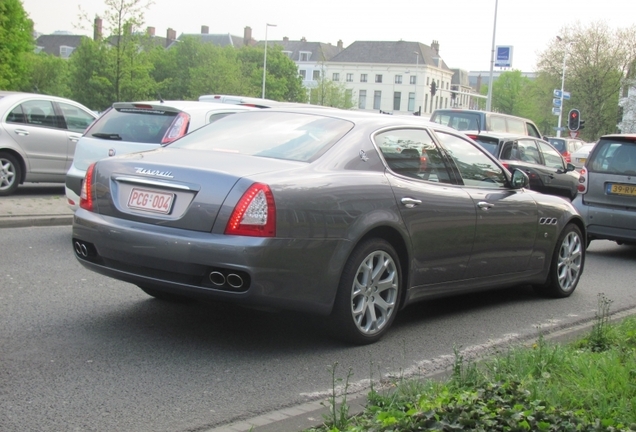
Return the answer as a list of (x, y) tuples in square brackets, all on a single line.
[(486, 121), (548, 171), (138, 126), (580, 156), (566, 146), (318, 211), (607, 190), (37, 137)]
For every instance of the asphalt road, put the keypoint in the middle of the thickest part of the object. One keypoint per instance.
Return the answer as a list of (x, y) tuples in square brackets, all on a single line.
[(82, 352)]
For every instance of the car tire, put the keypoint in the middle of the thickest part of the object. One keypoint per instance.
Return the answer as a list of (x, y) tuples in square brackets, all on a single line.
[(165, 296), (567, 264), (10, 174), (368, 295)]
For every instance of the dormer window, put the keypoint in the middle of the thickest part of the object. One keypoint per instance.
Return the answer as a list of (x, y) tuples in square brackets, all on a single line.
[(288, 53), (305, 55), (65, 51), (38, 49)]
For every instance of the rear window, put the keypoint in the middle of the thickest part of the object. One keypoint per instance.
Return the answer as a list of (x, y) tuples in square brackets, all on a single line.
[(558, 144), (614, 157), (489, 144), (134, 125), (459, 120), (278, 135)]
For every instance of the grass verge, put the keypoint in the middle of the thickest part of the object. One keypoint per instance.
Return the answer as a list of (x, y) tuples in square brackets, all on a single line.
[(586, 385)]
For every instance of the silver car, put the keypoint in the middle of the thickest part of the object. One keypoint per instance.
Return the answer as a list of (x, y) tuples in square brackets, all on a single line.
[(346, 214), (37, 137), (607, 189), (129, 127)]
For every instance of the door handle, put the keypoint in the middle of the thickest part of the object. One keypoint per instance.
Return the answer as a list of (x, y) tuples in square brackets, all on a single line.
[(485, 206), (74, 139), (22, 132), (410, 202)]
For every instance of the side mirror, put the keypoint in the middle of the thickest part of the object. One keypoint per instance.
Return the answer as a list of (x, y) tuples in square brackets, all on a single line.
[(570, 167), (519, 179)]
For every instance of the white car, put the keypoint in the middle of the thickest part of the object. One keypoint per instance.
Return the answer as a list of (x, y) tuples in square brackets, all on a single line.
[(579, 157), (129, 127), (37, 137)]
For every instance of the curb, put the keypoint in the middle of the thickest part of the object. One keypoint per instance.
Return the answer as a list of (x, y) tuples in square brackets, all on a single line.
[(35, 220)]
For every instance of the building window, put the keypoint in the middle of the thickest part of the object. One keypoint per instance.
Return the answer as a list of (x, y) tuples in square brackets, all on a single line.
[(377, 99), (65, 51), (303, 73), (362, 99), (363, 77), (411, 107), (413, 79), (398, 79), (335, 76), (397, 100), (378, 78), (316, 75), (349, 77), (304, 56)]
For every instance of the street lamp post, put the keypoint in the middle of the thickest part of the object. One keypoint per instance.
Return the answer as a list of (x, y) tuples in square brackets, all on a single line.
[(565, 54), (417, 66), (265, 57), (492, 61)]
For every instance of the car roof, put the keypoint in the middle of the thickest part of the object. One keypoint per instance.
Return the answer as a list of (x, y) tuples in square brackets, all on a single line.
[(184, 105), (499, 135), (630, 136)]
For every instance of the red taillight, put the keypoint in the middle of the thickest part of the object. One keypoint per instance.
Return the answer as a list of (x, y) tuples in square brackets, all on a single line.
[(142, 106), (567, 156), (506, 165), (177, 129), (255, 213), (86, 195), (582, 187), (471, 136)]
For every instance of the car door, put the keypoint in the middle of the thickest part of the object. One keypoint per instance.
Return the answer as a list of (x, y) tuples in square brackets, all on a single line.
[(558, 180), (75, 121), (507, 219), (43, 143), (439, 216)]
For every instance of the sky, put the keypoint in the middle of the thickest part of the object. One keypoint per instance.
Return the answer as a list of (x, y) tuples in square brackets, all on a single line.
[(463, 28)]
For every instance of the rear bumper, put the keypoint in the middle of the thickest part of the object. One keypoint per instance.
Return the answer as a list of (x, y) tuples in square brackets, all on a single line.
[(607, 223), (290, 274)]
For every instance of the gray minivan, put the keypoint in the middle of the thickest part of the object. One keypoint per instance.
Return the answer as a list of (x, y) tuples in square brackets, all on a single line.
[(607, 190), (474, 120)]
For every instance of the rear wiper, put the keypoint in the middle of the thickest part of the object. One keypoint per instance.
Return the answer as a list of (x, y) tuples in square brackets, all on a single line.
[(112, 136)]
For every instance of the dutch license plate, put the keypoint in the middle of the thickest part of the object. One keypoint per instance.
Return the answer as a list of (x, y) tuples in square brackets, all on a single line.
[(621, 189), (150, 201), (581, 160)]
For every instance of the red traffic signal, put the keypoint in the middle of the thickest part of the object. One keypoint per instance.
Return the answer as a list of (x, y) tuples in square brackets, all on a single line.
[(574, 120)]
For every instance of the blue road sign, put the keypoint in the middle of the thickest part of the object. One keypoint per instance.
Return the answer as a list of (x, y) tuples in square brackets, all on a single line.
[(504, 56), (557, 93), (556, 102)]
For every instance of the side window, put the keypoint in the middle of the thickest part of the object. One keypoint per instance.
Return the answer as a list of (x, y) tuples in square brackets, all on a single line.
[(528, 151), (533, 131), (16, 115), (412, 153), (552, 157), (475, 167), (516, 126), (39, 113), (77, 120), (497, 124)]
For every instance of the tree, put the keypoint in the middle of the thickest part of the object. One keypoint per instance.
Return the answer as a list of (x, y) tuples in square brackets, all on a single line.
[(16, 41), (90, 75), (597, 62), (330, 93), (510, 94), (48, 75)]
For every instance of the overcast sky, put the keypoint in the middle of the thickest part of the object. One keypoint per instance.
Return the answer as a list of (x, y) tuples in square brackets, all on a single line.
[(463, 28)]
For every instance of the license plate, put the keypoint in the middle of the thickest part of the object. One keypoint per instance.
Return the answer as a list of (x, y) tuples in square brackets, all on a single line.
[(581, 160), (621, 189), (150, 201)]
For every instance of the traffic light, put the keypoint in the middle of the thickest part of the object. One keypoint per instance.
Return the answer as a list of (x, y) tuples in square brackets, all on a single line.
[(574, 120), (581, 124), (433, 88)]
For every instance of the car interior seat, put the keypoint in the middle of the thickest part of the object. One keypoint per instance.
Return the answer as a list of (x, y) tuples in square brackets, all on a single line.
[(37, 116)]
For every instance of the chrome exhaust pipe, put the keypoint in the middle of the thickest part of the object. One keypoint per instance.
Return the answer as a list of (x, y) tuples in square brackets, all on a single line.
[(80, 249), (217, 278), (234, 280)]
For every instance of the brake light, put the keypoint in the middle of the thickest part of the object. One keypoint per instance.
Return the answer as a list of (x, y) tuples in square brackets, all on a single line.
[(177, 129), (567, 156), (255, 213), (86, 194), (471, 136), (582, 187), (142, 106), (507, 166)]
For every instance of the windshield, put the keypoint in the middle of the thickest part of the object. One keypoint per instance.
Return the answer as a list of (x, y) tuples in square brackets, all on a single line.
[(279, 135)]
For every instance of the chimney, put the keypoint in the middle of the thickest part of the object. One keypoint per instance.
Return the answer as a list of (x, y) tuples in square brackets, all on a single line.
[(151, 31), (435, 46), (205, 29), (97, 29), (247, 36), (285, 39), (302, 39), (340, 44), (171, 36)]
